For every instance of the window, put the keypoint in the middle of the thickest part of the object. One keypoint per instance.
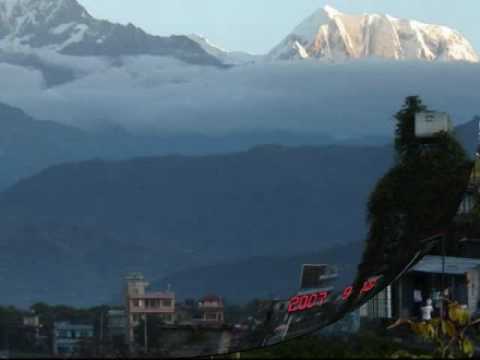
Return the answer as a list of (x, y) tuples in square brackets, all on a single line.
[(167, 303), (167, 317), (64, 349), (84, 333), (211, 316), (63, 334)]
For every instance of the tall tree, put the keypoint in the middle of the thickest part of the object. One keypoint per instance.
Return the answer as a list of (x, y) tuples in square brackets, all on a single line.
[(406, 143)]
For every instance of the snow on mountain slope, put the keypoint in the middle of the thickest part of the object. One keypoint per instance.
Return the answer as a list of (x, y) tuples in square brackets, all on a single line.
[(65, 27), (227, 57), (331, 35)]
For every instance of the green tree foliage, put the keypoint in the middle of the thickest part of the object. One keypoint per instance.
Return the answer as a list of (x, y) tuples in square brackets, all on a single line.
[(416, 197), (154, 330), (15, 336), (364, 346), (49, 314), (449, 336), (406, 144)]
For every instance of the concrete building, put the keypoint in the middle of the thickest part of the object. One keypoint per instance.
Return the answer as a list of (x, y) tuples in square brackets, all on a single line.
[(116, 325), (31, 322), (430, 123), (317, 278), (452, 269), (432, 278), (67, 337), (211, 309), (141, 304)]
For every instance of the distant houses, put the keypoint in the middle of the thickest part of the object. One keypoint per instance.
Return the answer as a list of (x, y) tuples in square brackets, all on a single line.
[(211, 310), (142, 305), (451, 270), (68, 338)]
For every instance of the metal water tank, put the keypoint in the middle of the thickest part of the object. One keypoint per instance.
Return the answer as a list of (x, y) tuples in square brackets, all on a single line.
[(430, 123)]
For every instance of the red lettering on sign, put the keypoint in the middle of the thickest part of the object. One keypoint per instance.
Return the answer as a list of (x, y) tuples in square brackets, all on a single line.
[(312, 300), (303, 302), (323, 297), (308, 301), (369, 285), (293, 306), (347, 293)]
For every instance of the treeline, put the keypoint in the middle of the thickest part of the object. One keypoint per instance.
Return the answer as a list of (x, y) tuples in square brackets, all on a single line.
[(18, 334)]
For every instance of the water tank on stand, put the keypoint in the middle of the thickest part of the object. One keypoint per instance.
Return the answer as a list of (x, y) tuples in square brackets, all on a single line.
[(430, 123)]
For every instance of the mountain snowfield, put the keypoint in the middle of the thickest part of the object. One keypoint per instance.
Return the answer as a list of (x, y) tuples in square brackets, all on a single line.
[(64, 65), (226, 56), (331, 35), (65, 27), (43, 29)]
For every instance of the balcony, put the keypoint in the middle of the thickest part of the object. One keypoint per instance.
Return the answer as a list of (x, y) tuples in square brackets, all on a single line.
[(159, 310), (152, 305)]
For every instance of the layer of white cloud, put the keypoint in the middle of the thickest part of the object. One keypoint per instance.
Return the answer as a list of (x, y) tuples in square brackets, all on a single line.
[(148, 92)]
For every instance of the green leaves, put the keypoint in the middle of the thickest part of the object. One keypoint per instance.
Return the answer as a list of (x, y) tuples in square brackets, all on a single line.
[(422, 330), (468, 348), (448, 329), (447, 335), (457, 314)]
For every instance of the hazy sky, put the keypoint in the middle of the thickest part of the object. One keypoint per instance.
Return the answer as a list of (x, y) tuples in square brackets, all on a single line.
[(257, 25)]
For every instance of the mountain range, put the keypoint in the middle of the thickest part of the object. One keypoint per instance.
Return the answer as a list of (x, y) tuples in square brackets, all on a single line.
[(29, 145), (72, 231), (66, 27), (331, 35), (262, 277), (86, 224), (65, 65), (46, 34), (75, 214)]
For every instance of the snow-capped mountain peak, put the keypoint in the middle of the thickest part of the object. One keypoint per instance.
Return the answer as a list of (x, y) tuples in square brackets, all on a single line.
[(329, 34), (226, 56), (65, 26), (21, 16), (330, 11)]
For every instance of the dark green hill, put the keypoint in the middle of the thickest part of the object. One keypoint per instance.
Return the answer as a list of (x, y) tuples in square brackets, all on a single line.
[(70, 232), (262, 277)]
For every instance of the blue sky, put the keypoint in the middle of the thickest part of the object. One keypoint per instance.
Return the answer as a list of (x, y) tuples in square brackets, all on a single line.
[(257, 25)]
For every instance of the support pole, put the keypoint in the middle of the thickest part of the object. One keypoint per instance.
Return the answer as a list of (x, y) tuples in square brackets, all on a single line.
[(443, 315), (145, 333)]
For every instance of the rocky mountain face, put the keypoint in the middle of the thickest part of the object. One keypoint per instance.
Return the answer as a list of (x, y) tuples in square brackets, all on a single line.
[(227, 57), (65, 27), (95, 221), (182, 217), (331, 35)]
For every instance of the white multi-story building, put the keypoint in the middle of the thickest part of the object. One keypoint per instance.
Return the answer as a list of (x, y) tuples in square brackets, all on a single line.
[(142, 305), (68, 337)]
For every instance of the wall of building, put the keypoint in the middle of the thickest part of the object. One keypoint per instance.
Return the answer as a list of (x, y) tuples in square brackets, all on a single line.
[(189, 341), (473, 282), (430, 123)]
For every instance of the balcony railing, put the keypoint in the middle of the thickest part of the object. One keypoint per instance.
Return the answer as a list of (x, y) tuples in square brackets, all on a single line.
[(152, 310)]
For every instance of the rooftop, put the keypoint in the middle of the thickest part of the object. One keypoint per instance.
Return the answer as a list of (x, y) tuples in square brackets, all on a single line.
[(155, 295), (69, 326), (453, 265), (211, 298)]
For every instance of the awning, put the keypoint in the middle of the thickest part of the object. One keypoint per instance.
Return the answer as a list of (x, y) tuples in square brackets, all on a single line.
[(453, 265)]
